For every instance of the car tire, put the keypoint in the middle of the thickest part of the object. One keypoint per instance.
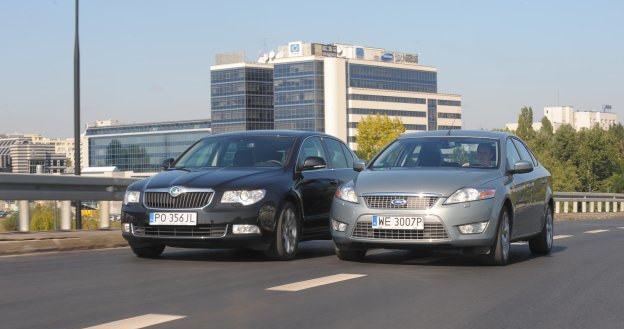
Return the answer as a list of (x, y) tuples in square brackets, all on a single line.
[(499, 252), (286, 241), (543, 242), (350, 255), (147, 251)]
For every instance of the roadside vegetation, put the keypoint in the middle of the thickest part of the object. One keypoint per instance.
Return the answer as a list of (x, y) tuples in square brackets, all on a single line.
[(590, 160), (42, 219)]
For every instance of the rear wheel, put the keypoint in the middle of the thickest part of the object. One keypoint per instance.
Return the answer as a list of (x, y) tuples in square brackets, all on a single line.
[(147, 251), (352, 255), (542, 243), (499, 252), (286, 241)]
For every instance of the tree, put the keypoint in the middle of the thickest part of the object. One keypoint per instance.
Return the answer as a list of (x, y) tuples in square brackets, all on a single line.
[(525, 124), (374, 132), (547, 128)]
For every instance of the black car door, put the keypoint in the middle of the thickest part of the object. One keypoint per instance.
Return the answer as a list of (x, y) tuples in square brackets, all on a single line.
[(316, 186)]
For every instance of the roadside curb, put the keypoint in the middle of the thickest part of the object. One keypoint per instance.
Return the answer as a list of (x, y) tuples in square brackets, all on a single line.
[(588, 216), (26, 243)]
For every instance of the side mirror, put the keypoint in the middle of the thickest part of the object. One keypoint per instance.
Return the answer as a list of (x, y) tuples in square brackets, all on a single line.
[(359, 165), (167, 163), (314, 163), (521, 167)]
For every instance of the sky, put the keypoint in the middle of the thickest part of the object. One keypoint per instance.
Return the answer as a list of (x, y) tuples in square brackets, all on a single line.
[(149, 60)]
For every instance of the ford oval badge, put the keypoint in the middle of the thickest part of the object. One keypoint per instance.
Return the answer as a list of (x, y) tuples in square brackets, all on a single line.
[(398, 202)]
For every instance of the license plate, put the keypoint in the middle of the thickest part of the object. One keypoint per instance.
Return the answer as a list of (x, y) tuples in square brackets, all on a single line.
[(398, 223), (173, 218)]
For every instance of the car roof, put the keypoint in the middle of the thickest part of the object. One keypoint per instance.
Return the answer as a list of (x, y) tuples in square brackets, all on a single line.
[(272, 133), (459, 133)]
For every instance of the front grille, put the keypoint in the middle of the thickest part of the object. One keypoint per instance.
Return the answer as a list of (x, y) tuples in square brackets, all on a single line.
[(432, 231), (412, 202), (205, 231), (188, 200)]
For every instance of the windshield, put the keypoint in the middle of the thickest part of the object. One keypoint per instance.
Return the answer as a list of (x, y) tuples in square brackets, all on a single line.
[(440, 152), (252, 151)]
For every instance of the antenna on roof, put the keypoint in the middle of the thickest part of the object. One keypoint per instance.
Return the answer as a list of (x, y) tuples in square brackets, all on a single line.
[(451, 127)]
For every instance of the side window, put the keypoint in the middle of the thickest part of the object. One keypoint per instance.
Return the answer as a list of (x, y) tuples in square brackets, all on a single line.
[(524, 153), (311, 147), (348, 154), (512, 154), (335, 154)]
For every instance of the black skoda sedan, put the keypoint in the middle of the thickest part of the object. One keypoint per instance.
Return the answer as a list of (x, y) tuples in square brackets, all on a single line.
[(266, 190)]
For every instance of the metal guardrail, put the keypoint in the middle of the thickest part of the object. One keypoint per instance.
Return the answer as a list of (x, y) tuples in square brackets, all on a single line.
[(58, 187), (25, 188), (589, 202)]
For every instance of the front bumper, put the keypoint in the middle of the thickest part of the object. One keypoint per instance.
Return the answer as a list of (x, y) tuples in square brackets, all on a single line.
[(441, 226), (213, 229)]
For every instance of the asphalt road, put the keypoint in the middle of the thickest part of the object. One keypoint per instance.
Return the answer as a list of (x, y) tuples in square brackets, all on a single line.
[(579, 286)]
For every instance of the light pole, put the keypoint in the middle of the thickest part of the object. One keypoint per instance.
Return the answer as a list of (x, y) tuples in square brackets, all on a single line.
[(77, 117)]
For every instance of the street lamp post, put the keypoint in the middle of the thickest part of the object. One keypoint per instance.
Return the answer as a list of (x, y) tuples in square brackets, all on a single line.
[(77, 117)]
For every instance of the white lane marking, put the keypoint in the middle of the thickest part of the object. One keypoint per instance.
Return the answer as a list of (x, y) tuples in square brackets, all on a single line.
[(138, 321), (316, 282), (621, 227), (519, 243), (596, 231), (557, 237)]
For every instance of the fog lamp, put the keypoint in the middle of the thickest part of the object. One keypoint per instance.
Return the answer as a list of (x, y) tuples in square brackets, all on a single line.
[(473, 228), (338, 226), (245, 229)]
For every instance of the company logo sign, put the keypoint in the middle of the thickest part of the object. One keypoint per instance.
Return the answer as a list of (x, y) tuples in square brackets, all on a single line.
[(175, 191), (387, 57), (359, 53), (398, 202), (295, 48)]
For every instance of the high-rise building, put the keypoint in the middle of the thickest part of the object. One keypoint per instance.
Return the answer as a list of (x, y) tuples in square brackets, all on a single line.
[(241, 97), (330, 88), (139, 147)]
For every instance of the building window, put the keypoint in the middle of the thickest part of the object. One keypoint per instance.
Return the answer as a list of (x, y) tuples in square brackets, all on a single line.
[(387, 78), (399, 113)]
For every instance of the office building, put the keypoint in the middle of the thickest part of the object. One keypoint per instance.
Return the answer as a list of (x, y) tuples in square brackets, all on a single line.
[(241, 95), (330, 88), (20, 155), (138, 147)]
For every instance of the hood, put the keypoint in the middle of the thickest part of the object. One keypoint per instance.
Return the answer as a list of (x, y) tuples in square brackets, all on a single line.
[(440, 181), (215, 178)]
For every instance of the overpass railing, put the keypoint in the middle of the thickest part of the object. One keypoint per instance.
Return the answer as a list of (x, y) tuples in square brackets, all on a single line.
[(24, 188), (588, 202)]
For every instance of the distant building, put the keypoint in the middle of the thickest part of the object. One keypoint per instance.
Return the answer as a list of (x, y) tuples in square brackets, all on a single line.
[(567, 115), (141, 147), (241, 97), (19, 154), (330, 88)]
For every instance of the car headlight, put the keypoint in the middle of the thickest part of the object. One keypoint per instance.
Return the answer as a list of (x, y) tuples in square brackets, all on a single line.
[(244, 197), (132, 197), (470, 194), (346, 192)]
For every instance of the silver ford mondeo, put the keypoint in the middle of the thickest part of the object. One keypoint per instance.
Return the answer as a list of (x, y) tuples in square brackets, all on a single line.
[(476, 191)]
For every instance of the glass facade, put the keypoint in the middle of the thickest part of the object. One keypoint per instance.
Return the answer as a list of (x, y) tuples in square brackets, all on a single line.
[(387, 78), (242, 99), (142, 152), (448, 103), (448, 115), (392, 113), (432, 114), (148, 127), (299, 96), (392, 99), (406, 125)]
